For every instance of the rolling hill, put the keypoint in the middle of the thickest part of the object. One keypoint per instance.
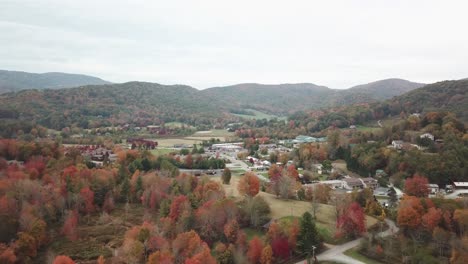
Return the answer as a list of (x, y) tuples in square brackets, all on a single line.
[(278, 99), (384, 89), (285, 99), (88, 106), (451, 96), (143, 103), (12, 81)]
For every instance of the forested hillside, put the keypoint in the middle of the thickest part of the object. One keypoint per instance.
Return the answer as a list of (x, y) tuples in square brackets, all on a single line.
[(442, 96), (384, 89), (12, 81), (447, 96), (289, 98), (143, 104), (91, 106)]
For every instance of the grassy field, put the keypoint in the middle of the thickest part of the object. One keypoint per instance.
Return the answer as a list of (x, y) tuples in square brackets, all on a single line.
[(177, 124), (288, 209), (170, 142), (259, 115), (162, 151), (214, 133), (197, 138), (356, 255)]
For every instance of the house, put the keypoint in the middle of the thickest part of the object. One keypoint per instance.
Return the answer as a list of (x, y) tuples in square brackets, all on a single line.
[(228, 147), (381, 191), (397, 144), (460, 185), (353, 183), (380, 173), (318, 167), (433, 188), (334, 184), (427, 135), (370, 183)]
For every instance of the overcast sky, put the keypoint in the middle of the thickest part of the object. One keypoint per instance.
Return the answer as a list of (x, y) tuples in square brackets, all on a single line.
[(213, 43)]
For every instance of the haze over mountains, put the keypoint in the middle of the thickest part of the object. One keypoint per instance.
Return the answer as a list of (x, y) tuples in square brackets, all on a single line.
[(12, 81)]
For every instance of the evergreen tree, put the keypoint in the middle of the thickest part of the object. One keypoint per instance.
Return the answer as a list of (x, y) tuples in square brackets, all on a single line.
[(226, 176), (125, 189), (308, 234)]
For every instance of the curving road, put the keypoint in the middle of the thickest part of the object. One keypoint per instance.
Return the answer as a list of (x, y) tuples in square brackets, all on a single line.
[(336, 253)]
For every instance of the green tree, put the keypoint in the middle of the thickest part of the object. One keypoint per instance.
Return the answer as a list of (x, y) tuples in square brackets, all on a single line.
[(308, 235), (326, 166), (125, 190), (226, 176)]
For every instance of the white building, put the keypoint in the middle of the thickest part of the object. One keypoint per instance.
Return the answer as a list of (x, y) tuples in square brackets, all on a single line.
[(227, 146), (427, 135), (433, 188), (397, 144)]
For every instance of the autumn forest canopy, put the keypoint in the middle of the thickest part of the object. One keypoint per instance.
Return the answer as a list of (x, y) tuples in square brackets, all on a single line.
[(149, 173)]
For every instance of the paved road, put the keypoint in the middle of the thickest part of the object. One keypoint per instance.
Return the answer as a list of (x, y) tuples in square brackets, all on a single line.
[(336, 253), (455, 194)]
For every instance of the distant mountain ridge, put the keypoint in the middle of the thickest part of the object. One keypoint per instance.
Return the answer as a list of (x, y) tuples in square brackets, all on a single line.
[(144, 103), (288, 98), (13, 81)]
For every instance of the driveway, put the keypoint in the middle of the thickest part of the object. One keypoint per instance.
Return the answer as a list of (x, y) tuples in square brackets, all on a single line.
[(336, 253)]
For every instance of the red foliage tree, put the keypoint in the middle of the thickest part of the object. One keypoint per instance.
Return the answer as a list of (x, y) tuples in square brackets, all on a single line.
[(417, 186), (280, 247), (249, 184), (178, 205), (87, 197), (230, 230), (7, 254), (353, 222), (63, 260), (69, 226), (292, 172), (254, 252), (189, 161)]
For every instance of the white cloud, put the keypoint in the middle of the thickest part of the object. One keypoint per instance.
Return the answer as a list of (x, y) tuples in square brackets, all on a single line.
[(210, 43)]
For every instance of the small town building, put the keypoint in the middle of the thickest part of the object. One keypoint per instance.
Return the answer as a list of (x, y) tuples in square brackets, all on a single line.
[(427, 135), (397, 144), (433, 188), (460, 185), (370, 183), (353, 183)]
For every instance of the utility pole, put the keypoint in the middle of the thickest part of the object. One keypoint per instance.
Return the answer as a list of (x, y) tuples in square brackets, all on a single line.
[(313, 253)]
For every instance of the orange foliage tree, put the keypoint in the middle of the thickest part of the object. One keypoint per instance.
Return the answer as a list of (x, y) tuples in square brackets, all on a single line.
[(63, 260), (254, 252), (249, 185)]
